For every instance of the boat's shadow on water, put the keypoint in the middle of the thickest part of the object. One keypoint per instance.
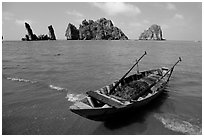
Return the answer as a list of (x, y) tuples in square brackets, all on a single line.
[(136, 116)]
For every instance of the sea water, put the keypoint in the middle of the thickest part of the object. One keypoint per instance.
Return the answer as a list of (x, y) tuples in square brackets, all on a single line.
[(41, 79)]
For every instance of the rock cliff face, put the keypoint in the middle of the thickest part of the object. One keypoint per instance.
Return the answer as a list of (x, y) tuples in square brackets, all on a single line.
[(154, 32), (51, 33), (31, 36), (72, 33), (101, 29)]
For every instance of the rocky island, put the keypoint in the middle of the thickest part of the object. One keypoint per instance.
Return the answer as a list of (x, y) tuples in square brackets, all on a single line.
[(102, 29), (32, 37), (154, 32)]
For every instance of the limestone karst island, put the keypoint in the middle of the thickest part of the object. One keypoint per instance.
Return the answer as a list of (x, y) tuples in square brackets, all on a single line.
[(154, 32), (101, 29), (32, 37)]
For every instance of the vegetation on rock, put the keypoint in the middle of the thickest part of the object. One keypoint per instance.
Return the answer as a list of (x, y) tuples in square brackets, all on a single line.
[(102, 29)]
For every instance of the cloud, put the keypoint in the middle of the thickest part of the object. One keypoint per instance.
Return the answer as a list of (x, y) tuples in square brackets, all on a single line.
[(114, 8), (178, 16), (164, 5), (135, 24), (164, 26), (170, 6), (74, 13), (22, 22), (7, 16), (75, 16), (146, 21)]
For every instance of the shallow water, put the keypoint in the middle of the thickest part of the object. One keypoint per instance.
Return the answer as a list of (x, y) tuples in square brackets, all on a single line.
[(41, 79)]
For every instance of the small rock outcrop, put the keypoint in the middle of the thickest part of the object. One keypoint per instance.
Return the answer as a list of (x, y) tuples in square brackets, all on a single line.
[(26, 38), (154, 32), (72, 33), (43, 37), (102, 29), (32, 37)]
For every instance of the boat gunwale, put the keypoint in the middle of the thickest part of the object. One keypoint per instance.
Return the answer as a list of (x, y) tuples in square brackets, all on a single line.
[(101, 90)]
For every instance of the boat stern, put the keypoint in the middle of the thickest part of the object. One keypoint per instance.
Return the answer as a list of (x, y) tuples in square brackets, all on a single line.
[(86, 111)]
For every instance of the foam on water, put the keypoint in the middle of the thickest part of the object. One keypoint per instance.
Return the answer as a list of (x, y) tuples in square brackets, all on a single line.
[(57, 88), (21, 80), (31, 81), (74, 97), (179, 123), (70, 96)]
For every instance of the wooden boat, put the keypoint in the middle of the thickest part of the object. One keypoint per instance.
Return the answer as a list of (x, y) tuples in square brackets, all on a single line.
[(132, 92)]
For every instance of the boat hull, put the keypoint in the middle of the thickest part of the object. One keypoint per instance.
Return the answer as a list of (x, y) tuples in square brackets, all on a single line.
[(105, 114)]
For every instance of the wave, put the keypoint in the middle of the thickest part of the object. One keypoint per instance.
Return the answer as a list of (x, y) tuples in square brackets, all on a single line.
[(74, 97), (31, 81), (181, 124), (8, 67), (21, 80), (70, 96)]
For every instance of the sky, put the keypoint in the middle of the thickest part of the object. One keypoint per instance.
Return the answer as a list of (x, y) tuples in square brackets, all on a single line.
[(178, 20)]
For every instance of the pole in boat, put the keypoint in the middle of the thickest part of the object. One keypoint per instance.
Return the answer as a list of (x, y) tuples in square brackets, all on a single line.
[(170, 74), (146, 89), (173, 68), (137, 67), (137, 61)]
